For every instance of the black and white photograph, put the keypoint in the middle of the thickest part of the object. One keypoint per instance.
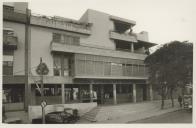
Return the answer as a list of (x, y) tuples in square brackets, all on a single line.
[(98, 62)]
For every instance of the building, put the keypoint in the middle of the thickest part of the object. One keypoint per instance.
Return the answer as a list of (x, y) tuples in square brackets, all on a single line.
[(97, 58)]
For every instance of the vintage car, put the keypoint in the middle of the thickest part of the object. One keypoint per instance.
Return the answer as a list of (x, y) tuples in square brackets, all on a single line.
[(188, 102), (69, 115)]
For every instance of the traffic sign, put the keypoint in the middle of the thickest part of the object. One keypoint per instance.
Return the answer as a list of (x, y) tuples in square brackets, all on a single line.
[(43, 104)]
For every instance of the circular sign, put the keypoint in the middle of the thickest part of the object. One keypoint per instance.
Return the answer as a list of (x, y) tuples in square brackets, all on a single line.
[(42, 69), (43, 104)]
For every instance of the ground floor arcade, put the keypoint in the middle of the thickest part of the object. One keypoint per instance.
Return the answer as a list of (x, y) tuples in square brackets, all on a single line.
[(105, 92)]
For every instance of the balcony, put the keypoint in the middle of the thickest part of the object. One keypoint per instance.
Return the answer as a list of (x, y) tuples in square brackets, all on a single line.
[(123, 36), (51, 22), (10, 42), (10, 15), (59, 47)]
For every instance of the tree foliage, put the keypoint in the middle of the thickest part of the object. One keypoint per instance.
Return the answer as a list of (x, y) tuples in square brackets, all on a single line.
[(171, 66)]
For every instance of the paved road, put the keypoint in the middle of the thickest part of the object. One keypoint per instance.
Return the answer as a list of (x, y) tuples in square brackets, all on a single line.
[(182, 116)]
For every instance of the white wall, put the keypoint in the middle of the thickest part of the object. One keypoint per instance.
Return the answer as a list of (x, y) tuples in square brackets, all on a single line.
[(19, 30), (40, 47), (101, 25)]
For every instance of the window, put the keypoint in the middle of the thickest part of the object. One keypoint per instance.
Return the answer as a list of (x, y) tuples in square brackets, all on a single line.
[(62, 65), (13, 94), (57, 65), (67, 39), (7, 64), (66, 66), (107, 68), (71, 40), (56, 37)]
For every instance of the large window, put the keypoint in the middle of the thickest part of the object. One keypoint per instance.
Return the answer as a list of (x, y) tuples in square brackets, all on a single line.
[(91, 65)]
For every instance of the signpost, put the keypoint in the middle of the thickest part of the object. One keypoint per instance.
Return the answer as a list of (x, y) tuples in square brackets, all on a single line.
[(41, 70), (43, 105)]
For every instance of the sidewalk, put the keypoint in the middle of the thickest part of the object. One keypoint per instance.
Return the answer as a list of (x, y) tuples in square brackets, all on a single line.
[(152, 109), (124, 113)]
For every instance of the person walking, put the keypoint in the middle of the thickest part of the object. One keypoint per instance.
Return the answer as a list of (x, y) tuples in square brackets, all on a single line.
[(180, 100)]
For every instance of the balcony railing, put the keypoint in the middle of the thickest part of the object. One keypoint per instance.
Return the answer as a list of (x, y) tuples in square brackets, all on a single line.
[(10, 42), (123, 36), (60, 24)]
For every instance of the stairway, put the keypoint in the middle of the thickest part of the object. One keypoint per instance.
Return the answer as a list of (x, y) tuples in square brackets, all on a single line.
[(91, 115)]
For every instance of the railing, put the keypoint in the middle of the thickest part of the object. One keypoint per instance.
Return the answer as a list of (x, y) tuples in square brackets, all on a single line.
[(61, 24), (123, 36)]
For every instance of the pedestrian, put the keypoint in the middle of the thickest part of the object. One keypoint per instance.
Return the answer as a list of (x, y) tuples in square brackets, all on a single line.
[(180, 100)]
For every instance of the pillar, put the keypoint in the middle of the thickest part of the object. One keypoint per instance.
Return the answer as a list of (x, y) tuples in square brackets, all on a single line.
[(150, 92), (114, 94), (132, 47), (91, 92), (134, 93), (102, 94), (33, 95), (63, 93)]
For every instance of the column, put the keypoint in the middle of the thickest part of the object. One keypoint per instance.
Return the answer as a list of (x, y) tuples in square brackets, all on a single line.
[(134, 93), (150, 92), (102, 94), (63, 93), (91, 92), (33, 95), (114, 94), (132, 47)]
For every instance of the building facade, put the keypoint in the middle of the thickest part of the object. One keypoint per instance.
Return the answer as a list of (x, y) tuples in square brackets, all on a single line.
[(97, 58)]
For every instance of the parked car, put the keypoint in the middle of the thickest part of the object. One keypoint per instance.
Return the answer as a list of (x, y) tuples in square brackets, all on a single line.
[(188, 102), (69, 115)]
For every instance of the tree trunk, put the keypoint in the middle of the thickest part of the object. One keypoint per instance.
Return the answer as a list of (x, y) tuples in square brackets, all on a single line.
[(162, 98), (172, 99)]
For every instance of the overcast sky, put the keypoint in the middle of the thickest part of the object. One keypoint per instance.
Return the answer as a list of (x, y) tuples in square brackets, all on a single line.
[(165, 20)]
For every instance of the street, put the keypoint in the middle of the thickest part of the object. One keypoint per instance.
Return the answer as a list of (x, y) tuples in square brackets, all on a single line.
[(182, 116)]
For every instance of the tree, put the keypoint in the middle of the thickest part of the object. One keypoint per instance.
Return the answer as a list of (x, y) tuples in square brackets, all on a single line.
[(170, 67)]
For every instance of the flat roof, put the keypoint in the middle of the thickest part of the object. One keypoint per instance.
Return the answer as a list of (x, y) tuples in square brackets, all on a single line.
[(123, 20)]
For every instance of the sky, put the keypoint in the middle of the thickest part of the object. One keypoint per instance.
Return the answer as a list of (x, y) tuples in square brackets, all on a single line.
[(164, 20)]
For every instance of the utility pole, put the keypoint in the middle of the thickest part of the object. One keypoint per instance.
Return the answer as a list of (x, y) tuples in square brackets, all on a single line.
[(27, 60)]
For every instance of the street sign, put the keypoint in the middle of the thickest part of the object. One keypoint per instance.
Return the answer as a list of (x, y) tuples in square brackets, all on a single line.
[(43, 104)]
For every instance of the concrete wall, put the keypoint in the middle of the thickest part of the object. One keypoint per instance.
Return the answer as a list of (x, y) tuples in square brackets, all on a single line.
[(100, 30), (40, 47), (14, 106), (35, 111), (142, 36), (19, 30)]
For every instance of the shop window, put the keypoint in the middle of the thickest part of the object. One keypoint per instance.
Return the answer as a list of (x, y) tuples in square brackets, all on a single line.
[(13, 95)]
